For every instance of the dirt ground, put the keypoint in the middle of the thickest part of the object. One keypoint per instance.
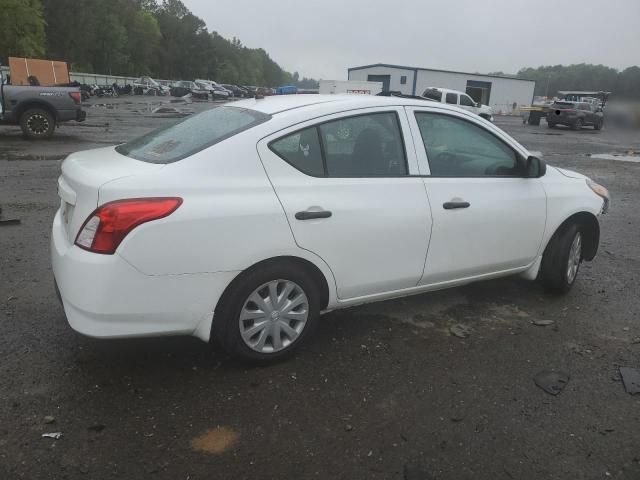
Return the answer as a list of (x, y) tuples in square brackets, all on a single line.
[(382, 391)]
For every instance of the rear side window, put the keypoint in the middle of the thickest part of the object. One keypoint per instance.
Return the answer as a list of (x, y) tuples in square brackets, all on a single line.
[(368, 145), (452, 98), (191, 135), (302, 151)]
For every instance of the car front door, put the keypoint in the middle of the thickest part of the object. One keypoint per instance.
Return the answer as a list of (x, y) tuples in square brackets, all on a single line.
[(352, 195), (487, 217)]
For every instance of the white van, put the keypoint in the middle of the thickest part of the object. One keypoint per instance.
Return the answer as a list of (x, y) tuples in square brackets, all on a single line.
[(461, 99)]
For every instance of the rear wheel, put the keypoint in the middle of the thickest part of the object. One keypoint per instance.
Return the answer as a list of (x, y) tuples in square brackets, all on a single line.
[(578, 124), (598, 125), (561, 260), (267, 313), (37, 123)]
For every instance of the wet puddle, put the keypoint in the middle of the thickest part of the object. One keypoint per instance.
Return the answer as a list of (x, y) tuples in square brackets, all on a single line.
[(631, 156)]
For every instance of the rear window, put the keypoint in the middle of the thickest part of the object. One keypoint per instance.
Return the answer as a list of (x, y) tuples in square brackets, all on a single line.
[(433, 94), (191, 135)]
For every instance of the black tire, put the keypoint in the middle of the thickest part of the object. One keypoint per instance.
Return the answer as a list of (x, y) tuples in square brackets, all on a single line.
[(225, 329), (598, 125), (554, 270), (37, 123), (577, 125)]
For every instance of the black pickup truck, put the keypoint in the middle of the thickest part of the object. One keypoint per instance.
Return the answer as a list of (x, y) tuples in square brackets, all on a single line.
[(37, 109)]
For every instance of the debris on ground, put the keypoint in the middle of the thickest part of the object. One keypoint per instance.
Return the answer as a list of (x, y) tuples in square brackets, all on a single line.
[(216, 440), (49, 419), (96, 428), (551, 382), (348, 428), (630, 379), (460, 331), (8, 221), (54, 435), (542, 323)]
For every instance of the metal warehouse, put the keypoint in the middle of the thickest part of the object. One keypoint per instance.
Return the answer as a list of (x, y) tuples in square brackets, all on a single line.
[(499, 92)]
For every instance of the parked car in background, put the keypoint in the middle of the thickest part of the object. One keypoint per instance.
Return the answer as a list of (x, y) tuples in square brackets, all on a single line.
[(460, 99), (355, 198), (39, 109), (182, 88), (235, 90), (264, 91), (251, 89), (216, 91), (148, 86), (575, 115)]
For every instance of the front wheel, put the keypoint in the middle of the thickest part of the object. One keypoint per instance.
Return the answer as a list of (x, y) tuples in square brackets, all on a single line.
[(578, 124), (267, 313), (562, 259), (598, 125), (37, 123)]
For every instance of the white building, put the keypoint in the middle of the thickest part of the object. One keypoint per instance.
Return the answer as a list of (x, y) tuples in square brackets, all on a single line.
[(496, 91)]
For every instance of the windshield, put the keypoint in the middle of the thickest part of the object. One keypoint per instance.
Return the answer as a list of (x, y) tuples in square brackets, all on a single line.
[(191, 135)]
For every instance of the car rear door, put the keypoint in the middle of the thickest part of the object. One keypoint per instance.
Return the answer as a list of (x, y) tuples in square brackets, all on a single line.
[(487, 217), (352, 195)]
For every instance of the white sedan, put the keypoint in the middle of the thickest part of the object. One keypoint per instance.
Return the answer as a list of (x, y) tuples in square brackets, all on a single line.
[(243, 223)]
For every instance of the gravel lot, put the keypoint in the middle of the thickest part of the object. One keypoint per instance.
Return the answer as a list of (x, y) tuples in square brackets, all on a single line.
[(382, 391)]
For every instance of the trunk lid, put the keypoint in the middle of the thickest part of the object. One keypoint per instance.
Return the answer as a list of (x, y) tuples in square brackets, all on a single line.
[(83, 174)]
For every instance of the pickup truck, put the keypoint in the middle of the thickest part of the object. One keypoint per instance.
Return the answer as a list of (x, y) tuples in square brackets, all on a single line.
[(37, 109)]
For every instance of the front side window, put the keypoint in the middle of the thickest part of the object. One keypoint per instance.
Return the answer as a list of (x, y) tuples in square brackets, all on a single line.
[(368, 145), (452, 98), (466, 101), (189, 136), (458, 148)]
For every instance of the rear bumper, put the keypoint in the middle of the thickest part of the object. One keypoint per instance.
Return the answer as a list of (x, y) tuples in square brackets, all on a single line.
[(104, 296), (76, 114)]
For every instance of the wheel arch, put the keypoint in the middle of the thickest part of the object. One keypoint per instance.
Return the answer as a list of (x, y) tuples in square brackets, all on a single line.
[(590, 229), (24, 106), (313, 270)]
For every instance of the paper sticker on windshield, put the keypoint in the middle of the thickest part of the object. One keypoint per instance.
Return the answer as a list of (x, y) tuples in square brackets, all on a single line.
[(164, 147)]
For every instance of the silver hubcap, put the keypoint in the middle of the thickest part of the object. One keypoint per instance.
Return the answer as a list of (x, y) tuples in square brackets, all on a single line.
[(38, 123), (575, 257), (273, 316)]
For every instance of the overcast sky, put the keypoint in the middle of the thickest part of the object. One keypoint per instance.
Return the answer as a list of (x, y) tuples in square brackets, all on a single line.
[(321, 39)]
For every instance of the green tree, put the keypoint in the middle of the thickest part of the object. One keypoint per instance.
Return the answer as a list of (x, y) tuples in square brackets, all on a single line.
[(143, 42), (21, 29)]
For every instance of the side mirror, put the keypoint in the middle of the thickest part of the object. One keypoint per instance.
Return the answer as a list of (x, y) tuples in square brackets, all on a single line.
[(535, 167), (478, 105)]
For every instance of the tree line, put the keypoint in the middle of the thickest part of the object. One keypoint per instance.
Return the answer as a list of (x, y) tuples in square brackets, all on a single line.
[(133, 38), (165, 40), (583, 77)]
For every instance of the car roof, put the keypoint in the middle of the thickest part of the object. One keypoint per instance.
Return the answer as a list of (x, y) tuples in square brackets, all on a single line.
[(277, 104), (445, 90)]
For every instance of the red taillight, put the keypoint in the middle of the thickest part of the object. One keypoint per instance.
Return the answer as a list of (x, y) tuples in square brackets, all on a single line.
[(110, 223), (77, 97)]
